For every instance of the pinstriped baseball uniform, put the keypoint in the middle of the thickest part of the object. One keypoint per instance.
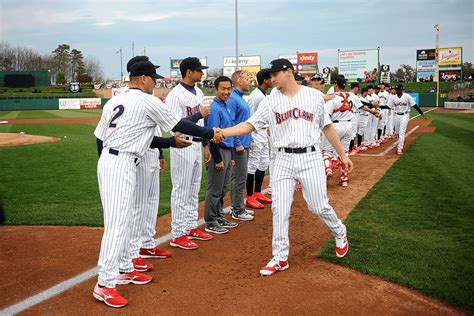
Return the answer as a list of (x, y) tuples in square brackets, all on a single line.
[(383, 97), (401, 106), (296, 122), (343, 119), (186, 165), (356, 105), (390, 117), (372, 121), (259, 157), (130, 119), (145, 209), (363, 117)]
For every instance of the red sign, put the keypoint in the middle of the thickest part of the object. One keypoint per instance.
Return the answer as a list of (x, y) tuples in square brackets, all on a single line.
[(307, 58)]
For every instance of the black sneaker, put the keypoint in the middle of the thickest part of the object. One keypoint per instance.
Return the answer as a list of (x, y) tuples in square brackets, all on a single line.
[(216, 229), (226, 224)]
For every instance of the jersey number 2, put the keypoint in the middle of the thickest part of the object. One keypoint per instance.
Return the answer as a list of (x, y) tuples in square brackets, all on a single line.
[(117, 115)]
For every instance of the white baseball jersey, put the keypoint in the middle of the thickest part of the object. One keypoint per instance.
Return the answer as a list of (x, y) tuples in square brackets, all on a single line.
[(296, 122), (383, 97), (129, 120), (184, 103), (305, 110), (341, 108), (330, 90), (401, 104), (254, 100), (186, 164)]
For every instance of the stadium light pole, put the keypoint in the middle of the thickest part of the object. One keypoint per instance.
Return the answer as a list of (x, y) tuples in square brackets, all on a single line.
[(236, 37), (437, 62), (121, 63)]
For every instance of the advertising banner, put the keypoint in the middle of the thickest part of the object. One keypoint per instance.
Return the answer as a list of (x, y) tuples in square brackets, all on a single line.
[(78, 104), (327, 75), (90, 103), (69, 104), (416, 97), (174, 63), (243, 61), (307, 58), (293, 58), (425, 65), (425, 76), (252, 70), (360, 65), (174, 67), (228, 71), (385, 73), (450, 56), (426, 54), (449, 75)]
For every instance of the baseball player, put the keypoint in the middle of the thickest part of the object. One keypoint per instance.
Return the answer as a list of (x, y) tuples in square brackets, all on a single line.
[(295, 116), (186, 164), (390, 132), (259, 156), (130, 119), (401, 104), (340, 109), (372, 120), (355, 121), (384, 112)]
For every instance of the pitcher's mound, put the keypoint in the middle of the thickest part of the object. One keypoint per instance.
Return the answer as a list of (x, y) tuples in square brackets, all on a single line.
[(13, 139)]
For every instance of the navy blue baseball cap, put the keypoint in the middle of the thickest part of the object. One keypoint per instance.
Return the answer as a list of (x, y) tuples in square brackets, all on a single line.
[(340, 80), (279, 65), (399, 87), (145, 68), (191, 63), (137, 59)]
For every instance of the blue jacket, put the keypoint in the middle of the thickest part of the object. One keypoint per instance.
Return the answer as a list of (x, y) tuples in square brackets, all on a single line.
[(220, 117), (240, 112)]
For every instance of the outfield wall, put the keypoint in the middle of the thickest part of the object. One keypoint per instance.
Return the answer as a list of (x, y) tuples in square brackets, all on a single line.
[(38, 104), (424, 99)]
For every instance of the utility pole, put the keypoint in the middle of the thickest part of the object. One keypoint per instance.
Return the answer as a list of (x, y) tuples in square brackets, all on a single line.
[(133, 49), (121, 63), (436, 76), (236, 37)]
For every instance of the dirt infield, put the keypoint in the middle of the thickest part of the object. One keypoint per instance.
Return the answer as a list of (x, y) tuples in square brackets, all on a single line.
[(220, 277), (14, 139)]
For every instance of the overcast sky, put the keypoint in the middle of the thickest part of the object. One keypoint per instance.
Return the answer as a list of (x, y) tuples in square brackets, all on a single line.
[(267, 28)]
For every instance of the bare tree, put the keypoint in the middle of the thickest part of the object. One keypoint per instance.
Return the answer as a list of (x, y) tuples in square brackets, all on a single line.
[(215, 72), (8, 57), (93, 68)]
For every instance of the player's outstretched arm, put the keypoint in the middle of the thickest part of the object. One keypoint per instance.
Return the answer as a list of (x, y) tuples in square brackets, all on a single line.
[(238, 130), (331, 134)]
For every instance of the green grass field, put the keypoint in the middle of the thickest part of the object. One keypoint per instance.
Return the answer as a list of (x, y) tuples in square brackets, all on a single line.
[(15, 115), (56, 183), (415, 227)]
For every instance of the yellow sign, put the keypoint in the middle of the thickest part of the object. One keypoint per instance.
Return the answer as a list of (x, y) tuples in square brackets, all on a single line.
[(252, 70), (450, 56)]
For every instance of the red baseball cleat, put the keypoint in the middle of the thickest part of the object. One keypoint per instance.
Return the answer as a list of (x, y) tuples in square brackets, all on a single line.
[(109, 296), (262, 198), (274, 266), (141, 265), (183, 242), (352, 152), (399, 151), (252, 202), (133, 277), (342, 246), (155, 253), (198, 234), (362, 148)]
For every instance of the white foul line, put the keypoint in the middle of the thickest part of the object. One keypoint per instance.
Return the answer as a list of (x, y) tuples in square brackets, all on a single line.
[(66, 285), (396, 142)]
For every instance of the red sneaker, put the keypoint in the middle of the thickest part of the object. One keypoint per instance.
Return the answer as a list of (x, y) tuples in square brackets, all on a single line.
[(109, 296), (155, 253), (198, 234), (141, 265), (183, 242), (274, 266), (352, 152), (342, 246), (252, 202), (262, 198), (133, 277)]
